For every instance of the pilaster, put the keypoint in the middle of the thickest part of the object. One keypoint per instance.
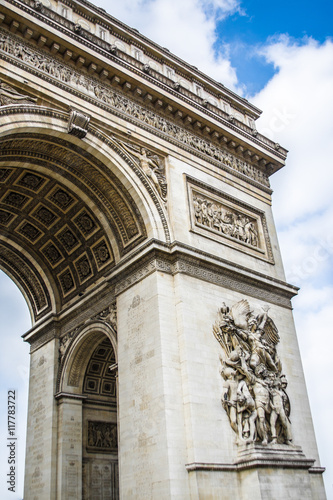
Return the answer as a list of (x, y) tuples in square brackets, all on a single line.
[(42, 435)]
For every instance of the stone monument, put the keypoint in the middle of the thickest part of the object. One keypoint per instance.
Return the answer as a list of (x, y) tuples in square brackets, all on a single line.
[(135, 216)]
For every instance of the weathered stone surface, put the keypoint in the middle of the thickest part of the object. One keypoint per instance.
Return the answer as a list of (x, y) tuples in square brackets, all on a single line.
[(136, 214)]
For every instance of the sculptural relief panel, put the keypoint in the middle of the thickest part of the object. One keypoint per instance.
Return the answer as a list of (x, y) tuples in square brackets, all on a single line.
[(219, 216), (102, 436)]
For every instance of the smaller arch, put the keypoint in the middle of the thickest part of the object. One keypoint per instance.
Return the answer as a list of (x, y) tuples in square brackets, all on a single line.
[(75, 360)]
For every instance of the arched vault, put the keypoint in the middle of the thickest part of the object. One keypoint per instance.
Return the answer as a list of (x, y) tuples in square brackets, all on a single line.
[(70, 209)]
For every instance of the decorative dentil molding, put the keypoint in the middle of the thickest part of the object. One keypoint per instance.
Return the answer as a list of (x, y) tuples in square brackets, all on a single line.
[(254, 395), (122, 104)]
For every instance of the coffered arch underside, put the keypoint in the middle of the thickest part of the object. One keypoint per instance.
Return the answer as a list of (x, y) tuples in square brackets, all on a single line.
[(73, 365), (68, 211)]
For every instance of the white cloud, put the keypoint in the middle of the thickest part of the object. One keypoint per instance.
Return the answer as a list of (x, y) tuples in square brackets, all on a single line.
[(298, 104)]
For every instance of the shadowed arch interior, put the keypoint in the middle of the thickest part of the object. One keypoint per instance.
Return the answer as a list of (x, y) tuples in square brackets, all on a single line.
[(65, 215)]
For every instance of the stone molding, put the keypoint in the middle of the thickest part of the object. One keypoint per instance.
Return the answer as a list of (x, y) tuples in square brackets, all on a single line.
[(186, 260), (155, 256), (256, 456), (120, 104), (67, 395), (29, 279), (42, 338)]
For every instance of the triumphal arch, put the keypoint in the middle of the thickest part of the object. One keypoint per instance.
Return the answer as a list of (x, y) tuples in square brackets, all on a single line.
[(135, 215)]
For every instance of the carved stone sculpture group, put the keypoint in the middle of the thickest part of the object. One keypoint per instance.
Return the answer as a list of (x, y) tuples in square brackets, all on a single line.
[(254, 386)]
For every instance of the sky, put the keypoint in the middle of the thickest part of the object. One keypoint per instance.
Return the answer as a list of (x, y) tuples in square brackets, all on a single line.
[(279, 55)]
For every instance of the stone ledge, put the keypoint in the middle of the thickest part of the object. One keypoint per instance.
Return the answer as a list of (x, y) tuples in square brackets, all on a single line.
[(256, 456)]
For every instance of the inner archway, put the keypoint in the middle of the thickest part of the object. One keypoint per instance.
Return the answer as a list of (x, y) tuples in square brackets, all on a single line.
[(87, 453), (99, 426), (72, 212)]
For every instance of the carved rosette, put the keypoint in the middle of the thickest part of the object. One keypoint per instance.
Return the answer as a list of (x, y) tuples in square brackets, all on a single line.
[(254, 386)]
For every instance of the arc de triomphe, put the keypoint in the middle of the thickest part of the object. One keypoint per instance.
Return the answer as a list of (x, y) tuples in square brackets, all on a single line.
[(135, 215)]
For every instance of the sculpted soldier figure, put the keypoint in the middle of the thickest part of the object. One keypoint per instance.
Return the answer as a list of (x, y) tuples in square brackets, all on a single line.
[(229, 396), (261, 393), (246, 413), (278, 413)]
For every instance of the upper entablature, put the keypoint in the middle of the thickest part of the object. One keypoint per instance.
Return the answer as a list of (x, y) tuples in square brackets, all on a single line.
[(159, 61), (85, 38)]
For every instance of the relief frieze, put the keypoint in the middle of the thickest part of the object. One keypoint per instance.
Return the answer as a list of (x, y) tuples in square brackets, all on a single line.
[(225, 220), (221, 217), (107, 96)]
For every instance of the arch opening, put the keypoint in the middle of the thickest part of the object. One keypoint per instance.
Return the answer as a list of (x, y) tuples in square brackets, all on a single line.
[(14, 368), (99, 426), (67, 214), (88, 406)]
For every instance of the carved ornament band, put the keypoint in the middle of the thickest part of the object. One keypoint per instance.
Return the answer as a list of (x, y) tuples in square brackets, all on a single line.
[(120, 104)]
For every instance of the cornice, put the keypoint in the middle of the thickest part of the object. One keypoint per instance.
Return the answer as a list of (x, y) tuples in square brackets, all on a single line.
[(178, 258), (130, 64), (166, 54), (98, 15), (115, 101), (173, 259)]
